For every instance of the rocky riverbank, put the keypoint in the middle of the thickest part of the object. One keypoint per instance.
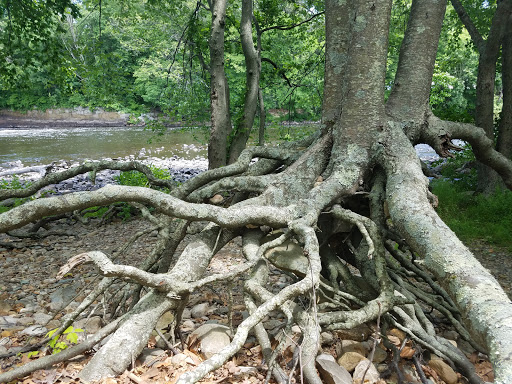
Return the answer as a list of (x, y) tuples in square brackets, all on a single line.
[(179, 168), (33, 301)]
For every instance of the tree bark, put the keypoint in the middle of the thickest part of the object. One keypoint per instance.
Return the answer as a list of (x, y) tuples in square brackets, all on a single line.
[(504, 144), (488, 49), (219, 92), (409, 98), (337, 40), (244, 125)]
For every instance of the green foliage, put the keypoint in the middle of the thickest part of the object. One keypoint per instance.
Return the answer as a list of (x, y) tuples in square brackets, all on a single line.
[(13, 183), (32, 354), (58, 343), (54, 54), (94, 212), (138, 179), (29, 40), (473, 216), (287, 132), (447, 97), (460, 170)]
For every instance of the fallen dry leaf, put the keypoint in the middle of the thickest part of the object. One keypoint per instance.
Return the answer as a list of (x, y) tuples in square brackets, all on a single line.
[(397, 333), (407, 352), (394, 340), (195, 358)]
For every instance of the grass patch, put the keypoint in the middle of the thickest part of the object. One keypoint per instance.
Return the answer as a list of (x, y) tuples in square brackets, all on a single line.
[(472, 217)]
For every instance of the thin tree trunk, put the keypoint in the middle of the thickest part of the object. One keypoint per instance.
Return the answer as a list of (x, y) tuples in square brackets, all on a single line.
[(504, 144), (263, 118), (489, 49), (253, 69), (219, 93)]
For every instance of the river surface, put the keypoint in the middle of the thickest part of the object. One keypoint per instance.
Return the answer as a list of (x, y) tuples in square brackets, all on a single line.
[(43, 145), (32, 146)]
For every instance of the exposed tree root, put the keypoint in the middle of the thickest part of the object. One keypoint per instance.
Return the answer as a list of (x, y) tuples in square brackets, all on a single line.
[(351, 264)]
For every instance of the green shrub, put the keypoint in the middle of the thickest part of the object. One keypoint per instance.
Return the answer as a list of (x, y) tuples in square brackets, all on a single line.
[(13, 183), (473, 216), (60, 342), (465, 180), (138, 179)]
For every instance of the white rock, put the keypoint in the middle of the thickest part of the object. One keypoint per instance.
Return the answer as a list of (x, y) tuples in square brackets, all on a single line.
[(372, 375), (9, 321), (326, 338), (188, 325), (212, 338), (42, 318), (35, 330), (331, 372), (199, 310)]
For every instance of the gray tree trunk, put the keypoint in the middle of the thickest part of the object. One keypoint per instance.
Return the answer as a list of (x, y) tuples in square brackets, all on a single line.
[(337, 39), (244, 125), (488, 180), (504, 144), (219, 89)]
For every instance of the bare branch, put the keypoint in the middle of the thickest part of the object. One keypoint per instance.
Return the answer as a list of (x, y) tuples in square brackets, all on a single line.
[(288, 27), (226, 217), (54, 178), (483, 147), (470, 26), (108, 269)]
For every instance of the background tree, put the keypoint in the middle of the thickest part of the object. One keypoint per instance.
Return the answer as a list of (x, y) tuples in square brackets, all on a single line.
[(489, 50), (30, 49)]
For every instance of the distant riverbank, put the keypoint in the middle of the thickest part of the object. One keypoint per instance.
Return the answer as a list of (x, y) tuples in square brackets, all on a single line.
[(62, 117)]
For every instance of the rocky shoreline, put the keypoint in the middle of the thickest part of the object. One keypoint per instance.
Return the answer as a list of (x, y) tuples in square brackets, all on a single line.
[(179, 168)]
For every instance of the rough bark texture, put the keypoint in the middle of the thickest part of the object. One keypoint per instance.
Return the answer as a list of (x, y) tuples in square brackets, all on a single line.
[(504, 144), (336, 57), (219, 92), (252, 82), (416, 66)]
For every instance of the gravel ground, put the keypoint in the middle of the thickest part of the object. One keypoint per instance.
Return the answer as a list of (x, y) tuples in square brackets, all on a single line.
[(497, 260)]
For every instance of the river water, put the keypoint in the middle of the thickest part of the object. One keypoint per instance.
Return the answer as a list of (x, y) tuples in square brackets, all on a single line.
[(32, 146)]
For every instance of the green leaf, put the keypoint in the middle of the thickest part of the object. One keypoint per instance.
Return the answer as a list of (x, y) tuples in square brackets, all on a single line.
[(72, 337)]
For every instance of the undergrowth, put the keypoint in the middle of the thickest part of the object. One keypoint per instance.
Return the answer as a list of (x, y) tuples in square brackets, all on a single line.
[(475, 216)]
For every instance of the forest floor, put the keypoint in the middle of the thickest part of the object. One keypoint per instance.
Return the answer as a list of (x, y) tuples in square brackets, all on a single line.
[(33, 301)]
